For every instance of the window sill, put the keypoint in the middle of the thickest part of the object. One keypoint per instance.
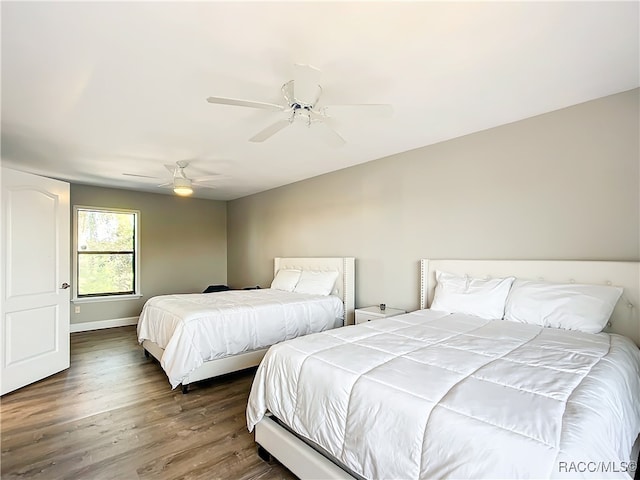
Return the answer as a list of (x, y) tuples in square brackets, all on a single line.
[(109, 298)]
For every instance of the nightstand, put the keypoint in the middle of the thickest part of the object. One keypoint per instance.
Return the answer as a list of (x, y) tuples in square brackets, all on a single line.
[(367, 314)]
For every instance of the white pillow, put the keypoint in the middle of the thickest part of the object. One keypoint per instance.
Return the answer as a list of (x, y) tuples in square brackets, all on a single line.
[(570, 306), (286, 280), (471, 296), (315, 282)]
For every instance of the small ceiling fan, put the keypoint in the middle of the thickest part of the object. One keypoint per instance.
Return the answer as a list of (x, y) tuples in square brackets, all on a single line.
[(301, 96), (182, 184)]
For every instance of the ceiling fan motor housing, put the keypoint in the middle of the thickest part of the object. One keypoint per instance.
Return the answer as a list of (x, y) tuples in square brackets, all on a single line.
[(288, 92), (179, 182)]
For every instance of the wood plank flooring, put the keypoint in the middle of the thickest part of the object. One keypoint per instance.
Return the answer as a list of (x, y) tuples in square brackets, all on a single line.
[(113, 415)]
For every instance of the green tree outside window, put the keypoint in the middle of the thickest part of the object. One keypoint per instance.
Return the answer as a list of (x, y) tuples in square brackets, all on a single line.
[(106, 252)]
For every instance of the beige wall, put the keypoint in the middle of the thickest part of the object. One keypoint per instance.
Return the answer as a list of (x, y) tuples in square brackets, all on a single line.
[(564, 185), (183, 246)]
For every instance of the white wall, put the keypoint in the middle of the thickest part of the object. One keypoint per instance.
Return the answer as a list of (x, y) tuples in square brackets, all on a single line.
[(564, 185)]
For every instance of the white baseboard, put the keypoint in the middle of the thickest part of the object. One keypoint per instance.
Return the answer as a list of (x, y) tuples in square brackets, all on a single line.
[(116, 322)]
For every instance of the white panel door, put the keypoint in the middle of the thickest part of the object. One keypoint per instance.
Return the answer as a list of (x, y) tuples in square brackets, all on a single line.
[(34, 336)]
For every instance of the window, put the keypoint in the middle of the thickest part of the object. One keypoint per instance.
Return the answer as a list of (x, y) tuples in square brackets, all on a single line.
[(105, 253)]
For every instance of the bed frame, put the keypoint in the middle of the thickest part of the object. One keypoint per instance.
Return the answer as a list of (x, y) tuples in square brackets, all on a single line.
[(306, 461), (343, 288)]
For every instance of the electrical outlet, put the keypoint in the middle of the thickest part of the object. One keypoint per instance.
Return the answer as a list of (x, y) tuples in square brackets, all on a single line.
[(77, 310)]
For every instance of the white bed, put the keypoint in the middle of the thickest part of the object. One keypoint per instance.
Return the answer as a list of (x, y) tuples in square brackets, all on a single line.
[(539, 402), (199, 336)]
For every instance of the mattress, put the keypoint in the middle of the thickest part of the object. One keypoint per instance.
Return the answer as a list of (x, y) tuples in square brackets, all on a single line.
[(195, 328), (435, 395)]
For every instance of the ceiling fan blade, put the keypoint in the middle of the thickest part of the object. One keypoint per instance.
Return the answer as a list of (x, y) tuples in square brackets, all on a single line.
[(207, 178), (377, 110), (203, 185), (270, 131), (136, 175), (244, 103), (305, 84), (168, 184), (329, 135), (171, 167)]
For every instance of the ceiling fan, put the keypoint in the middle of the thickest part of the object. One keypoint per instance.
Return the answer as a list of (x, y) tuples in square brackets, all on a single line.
[(301, 97), (182, 184)]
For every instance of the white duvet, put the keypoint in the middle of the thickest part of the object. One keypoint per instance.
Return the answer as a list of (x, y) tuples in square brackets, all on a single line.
[(433, 395), (194, 328)]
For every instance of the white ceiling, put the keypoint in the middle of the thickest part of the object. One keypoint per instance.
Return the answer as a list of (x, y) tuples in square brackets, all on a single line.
[(94, 90)]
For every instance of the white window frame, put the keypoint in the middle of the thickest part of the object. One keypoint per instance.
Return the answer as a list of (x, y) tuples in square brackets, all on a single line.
[(106, 298)]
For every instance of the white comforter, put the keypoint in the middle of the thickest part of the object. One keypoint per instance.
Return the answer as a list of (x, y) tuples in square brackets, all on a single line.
[(432, 395), (194, 328)]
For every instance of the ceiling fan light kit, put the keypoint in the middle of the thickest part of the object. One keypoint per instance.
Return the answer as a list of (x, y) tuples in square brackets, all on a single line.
[(301, 97), (182, 186)]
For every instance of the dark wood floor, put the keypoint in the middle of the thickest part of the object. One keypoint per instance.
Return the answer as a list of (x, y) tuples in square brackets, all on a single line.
[(113, 415)]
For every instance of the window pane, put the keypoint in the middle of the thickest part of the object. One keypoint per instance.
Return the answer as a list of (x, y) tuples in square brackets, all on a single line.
[(105, 273), (105, 231)]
